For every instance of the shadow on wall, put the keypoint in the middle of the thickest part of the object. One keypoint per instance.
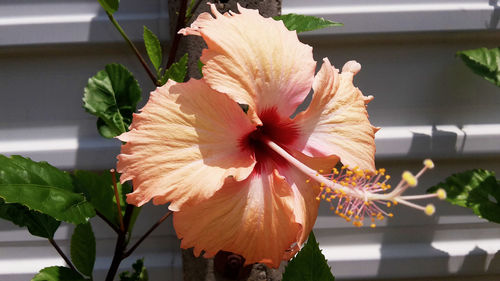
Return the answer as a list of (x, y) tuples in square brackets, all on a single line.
[(495, 16), (427, 260)]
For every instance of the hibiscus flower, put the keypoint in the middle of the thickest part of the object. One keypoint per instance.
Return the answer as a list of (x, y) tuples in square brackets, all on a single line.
[(249, 182)]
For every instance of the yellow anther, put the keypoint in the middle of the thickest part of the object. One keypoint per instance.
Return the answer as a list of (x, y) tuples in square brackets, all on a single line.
[(356, 217), (390, 215), (337, 212), (430, 209), (323, 196), (395, 202), (322, 184), (349, 173), (332, 208), (381, 171), (343, 167), (320, 171), (317, 198), (328, 190), (429, 164), (328, 199), (308, 181), (441, 193), (387, 177), (367, 177), (373, 225), (347, 219), (350, 213), (341, 207), (410, 179), (389, 204)]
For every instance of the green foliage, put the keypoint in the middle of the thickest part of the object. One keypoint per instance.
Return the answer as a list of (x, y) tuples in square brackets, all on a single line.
[(140, 273), (153, 48), (177, 71), (112, 95), (476, 189), (83, 248), (200, 67), (302, 23), (38, 224), (43, 188), (110, 6), (309, 264), (98, 189), (57, 273), (189, 10), (484, 62)]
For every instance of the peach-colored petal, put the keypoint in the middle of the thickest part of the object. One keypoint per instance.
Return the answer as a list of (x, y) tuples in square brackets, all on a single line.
[(253, 218), (255, 60), (183, 145), (336, 122), (304, 191)]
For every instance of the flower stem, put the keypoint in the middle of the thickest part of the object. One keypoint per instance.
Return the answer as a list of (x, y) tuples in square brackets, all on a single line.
[(181, 21), (61, 253), (141, 59), (121, 244), (153, 227), (117, 198)]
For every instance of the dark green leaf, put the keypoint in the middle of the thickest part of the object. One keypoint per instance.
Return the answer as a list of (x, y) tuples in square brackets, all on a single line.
[(484, 62), (99, 191), (302, 23), (200, 67), (43, 188), (112, 95), (38, 224), (57, 273), (177, 71), (189, 10), (153, 47), (140, 273), (476, 189), (83, 248), (309, 264), (110, 6)]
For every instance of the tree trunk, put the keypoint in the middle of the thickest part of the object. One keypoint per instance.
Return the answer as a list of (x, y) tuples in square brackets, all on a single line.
[(225, 266)]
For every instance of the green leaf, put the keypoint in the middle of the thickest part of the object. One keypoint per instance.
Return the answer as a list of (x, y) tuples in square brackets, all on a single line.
[(38, 224), (484, 62), (110, 6), (153, 47), (200, 67), (83, 248), (476, 189), (99, 191), (189, 10), (57, 273), (177, 71), (112, 95), (309, 264), (140, 272), (43, 188), (302, 23)]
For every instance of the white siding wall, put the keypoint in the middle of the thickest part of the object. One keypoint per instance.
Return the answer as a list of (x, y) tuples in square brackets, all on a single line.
[(426, 101)]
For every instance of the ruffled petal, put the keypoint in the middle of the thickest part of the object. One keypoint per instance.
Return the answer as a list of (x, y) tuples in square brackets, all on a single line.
[(336, 122), (253, 218), (255, 60), (183, 145)]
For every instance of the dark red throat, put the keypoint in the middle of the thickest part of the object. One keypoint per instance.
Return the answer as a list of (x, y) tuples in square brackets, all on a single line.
[(280, 130)]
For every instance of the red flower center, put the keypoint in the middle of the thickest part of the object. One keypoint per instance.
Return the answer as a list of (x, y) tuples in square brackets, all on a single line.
[(275, 128)]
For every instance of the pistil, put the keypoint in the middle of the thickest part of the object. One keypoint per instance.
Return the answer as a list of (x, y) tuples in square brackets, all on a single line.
[(360, 194)]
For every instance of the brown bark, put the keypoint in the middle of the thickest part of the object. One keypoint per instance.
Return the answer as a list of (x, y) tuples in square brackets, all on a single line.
[(225, 266)]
